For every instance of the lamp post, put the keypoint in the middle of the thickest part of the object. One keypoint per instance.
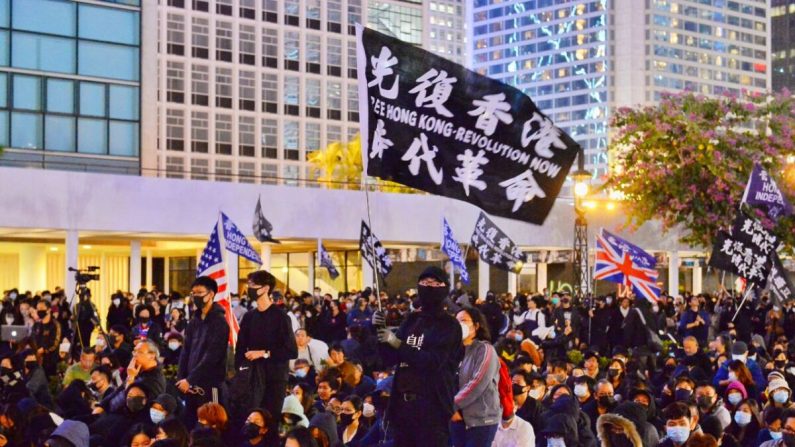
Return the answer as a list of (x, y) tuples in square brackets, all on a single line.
[(582, 274)]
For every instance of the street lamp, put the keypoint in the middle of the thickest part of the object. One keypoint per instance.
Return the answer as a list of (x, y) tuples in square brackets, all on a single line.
[(582, 282)]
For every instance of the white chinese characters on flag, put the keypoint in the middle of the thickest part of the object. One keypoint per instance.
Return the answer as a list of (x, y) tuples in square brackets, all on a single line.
[(213, 264), (433, 125)]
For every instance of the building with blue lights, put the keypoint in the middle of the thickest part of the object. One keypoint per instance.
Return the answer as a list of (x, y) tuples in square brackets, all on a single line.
[(580, 60)]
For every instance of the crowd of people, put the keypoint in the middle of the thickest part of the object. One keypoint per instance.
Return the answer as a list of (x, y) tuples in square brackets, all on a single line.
[(427, 367)]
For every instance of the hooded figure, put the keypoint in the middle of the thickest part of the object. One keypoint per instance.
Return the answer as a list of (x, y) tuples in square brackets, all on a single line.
[(629, 418), (567, 405), (328, 425), (293, 406), (73, 431), (561, 426)]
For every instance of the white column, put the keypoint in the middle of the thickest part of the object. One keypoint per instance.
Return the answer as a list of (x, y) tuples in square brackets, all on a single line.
[(166, 275), (148, 279), (698, 279), (33, 267), (368, 275), (135, 266), (541, 277), (311, 271), (72, 241), (513, 278), (265, 254), (673, 273), (483, 279), (451, 273), (232, 272)]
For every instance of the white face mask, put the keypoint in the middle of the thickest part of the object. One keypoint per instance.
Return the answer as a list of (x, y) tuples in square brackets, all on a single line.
[(732, 376), (464, 331), (116, 302), (173, 345), (556, 442), (368, 410), (580, 390), (535, 394), (738, 357)]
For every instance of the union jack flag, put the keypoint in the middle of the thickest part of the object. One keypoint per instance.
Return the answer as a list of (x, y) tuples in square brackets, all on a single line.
[(212, 264), (619, 261)]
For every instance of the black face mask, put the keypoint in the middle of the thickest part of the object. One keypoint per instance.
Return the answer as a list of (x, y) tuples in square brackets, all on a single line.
[(682, 395), (250, 431), (252, 293), (517, 389), (789, 440), (135, 404), (346, 419), (6, 371), (41, 314), (198, 301), (780, 364), (606, 401), (613, 373), (31, 364), (143, 320), (704, 402), (430, 298)]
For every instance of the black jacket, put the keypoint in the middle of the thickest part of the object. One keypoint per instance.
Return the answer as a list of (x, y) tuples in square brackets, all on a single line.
[(635, 332), (267, 331), (203, 358), (431, 352), (121, 315)]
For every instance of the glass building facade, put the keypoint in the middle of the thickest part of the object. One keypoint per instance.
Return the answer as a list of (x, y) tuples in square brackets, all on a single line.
[(783, 46), (70, 84), (566, 55)]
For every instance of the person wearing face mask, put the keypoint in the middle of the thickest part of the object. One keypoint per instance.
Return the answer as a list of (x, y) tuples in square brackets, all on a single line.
[(292, 416), (626, 426), (532, 318), (695, 321), (112, 426), (101, 384), (785, 433), (745, 426), (350, 430), (378, 430), (202, 363), (710, 405), (145, 326), (679, 425), (256, 427), (427, 350), (35, 380), (583, 390), (362, 314), (174, 349), (119, 311), (47, 336), (477, 401), (779, 394), (603, 402), (559, 431), (739, 351), (163, 407), (267, 344), (529, 390), (735, 393)]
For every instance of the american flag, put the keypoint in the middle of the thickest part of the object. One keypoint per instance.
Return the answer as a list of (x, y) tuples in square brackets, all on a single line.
[(211, 264), (617, 260)]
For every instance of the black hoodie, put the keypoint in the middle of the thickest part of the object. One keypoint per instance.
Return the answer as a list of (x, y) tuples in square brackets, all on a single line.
[(203, 358)]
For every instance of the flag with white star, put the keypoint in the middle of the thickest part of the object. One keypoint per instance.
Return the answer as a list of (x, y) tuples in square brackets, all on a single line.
[(211, 263)]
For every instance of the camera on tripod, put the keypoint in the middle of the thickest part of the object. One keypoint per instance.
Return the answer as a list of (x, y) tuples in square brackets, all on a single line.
[(83, 276)]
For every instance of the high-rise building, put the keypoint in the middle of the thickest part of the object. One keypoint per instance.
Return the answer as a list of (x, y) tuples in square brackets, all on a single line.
[(580, 61), (70, 84), (247, 89), (782, 18)]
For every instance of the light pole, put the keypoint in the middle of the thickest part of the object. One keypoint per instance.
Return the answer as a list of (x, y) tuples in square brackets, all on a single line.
[(582, 274)]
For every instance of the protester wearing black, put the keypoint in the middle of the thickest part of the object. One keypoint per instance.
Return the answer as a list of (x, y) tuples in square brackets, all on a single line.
[(119, 311), (493, 313), (266, 344), (637, 326), (202, 364), (86, 315), (47, 334), (427, 350)]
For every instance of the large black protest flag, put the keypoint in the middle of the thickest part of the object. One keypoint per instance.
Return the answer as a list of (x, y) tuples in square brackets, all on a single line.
[(373, 251), (741, 257), (779, 282), (433, 125), (262, 228), (495, 247)]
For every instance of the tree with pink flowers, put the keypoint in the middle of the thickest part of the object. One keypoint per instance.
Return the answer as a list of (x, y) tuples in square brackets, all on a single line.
[(686, 160)]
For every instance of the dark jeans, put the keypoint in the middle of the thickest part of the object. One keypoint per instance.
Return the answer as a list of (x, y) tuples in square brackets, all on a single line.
[(418, 423), (472, 437)]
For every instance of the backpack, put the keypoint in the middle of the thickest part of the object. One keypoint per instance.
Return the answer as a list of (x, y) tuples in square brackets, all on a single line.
[(505, 387)]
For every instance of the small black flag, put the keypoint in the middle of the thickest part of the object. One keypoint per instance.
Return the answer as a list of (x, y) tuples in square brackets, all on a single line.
[(262, 228)]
